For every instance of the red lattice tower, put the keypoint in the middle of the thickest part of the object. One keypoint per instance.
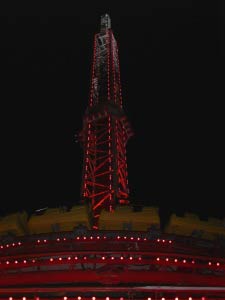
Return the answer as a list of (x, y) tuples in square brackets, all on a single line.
[(105, 130)]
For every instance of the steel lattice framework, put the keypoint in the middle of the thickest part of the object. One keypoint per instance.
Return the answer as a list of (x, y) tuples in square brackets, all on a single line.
[(92, 264), (105, 129)]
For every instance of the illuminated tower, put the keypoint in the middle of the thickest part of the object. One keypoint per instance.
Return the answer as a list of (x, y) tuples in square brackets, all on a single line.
[(105, 129)]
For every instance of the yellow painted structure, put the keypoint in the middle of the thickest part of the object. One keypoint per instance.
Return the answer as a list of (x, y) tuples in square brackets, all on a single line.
[(183, 225), (124, 218), (56, 219), (191, 225), (213, 228), (14, 224)]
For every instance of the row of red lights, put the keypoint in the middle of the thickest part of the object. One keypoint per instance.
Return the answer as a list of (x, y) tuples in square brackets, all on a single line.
[(122, 140), (93, 72), (108, 64), (69, 258), (109, 57), (121, 103), (115, 57), (88, 237), (113, 67), (91, 104), (86, 163), (104, 238), (108, 298), (110, 163), (184, 261), (10, 245)]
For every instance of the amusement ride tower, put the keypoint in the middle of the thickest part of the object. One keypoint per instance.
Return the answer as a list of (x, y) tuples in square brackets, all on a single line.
[(59, 255), (105, 130)]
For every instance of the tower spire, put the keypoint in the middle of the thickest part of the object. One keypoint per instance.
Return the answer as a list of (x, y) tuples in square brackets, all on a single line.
[(105, 22), (105, 130)]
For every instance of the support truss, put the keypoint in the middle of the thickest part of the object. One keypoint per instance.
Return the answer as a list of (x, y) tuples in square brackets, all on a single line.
[(105, 130)]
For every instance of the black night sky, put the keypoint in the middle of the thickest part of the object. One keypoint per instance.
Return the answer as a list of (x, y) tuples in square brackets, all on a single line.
[(171, 58)]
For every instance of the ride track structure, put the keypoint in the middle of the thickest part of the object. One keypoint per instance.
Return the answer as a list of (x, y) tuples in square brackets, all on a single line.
[(112, 265)]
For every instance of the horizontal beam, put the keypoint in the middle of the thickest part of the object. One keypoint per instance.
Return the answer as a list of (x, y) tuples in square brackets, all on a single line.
[(93, 289), (116, 276)]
